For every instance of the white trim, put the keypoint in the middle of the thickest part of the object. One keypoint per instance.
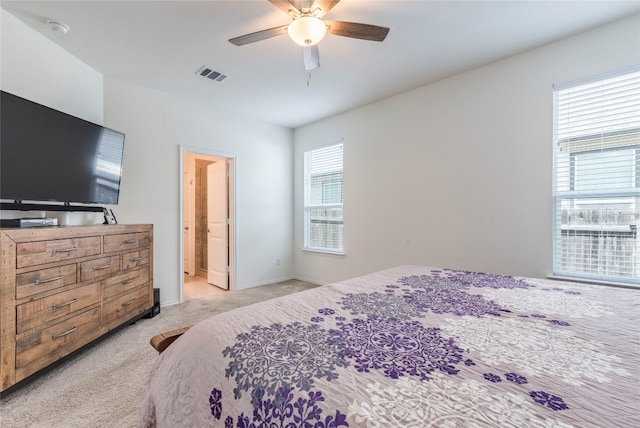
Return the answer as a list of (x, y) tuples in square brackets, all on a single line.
[(593, 281), (602, 76), (271, 281), (308, 166), (595, 141), (321, 251), (232, 204), (312, 281), (319, 146)]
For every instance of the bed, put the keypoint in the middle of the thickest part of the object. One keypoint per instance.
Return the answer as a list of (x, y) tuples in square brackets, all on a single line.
[(410, 346)]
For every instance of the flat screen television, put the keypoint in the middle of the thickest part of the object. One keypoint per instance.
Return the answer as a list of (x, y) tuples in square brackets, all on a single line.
[(50, 156)]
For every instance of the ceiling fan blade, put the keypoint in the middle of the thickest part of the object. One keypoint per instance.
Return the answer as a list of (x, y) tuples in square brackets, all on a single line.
[(259, 35), (324, 5), (357, 31), (311, 57), (285, 5)]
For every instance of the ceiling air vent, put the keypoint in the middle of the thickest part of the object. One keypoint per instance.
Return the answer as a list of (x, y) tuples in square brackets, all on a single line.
[(210, 73)]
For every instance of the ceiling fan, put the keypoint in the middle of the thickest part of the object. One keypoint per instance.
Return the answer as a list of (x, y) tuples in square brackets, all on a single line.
[(307, 28)]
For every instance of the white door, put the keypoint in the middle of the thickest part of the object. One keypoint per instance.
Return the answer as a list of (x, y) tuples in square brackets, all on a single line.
[(217, 229)]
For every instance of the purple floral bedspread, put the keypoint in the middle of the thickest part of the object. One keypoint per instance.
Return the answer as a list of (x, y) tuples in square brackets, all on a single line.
[(409, 347)]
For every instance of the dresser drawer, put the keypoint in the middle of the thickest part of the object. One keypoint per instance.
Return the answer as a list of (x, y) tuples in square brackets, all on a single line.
[(57, 250), (126, 241), (123, 283), (135, 258), (119, 309), (61, 288), (98, 268), (43, 312), (43, 347), (30, 283)]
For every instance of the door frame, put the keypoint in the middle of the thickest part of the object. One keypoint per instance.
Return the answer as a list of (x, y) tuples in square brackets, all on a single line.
[(232, 160)]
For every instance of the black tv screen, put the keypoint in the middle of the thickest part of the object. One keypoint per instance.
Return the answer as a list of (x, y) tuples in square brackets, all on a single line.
[(47, 155)]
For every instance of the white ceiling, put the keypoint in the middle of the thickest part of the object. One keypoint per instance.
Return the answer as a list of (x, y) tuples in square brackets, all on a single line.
[(162, 44)]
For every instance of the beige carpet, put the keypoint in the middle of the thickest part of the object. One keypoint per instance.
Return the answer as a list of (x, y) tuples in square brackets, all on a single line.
[(101, 386)]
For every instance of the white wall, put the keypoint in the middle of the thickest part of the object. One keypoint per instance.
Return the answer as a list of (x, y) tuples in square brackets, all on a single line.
[(454, 174), (35, 68), (457, 173), (156, 126)]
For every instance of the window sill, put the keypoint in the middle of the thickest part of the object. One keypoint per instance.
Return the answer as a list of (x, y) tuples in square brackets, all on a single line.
[(594, 281), (323, 252)]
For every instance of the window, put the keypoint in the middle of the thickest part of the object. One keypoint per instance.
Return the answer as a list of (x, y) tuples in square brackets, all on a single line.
[(323, 224), (597, 178)]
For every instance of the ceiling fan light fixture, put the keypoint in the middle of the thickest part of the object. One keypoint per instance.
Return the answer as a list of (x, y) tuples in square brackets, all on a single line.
[(307, 30)]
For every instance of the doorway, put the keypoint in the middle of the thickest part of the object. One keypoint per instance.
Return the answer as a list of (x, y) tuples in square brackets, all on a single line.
[(208, 219)]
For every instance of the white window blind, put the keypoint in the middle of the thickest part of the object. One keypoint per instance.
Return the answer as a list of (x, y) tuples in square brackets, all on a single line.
[(597, 178), (323, 219)]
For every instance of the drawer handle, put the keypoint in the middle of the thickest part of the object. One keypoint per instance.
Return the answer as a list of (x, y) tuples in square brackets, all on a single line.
[(129, 303), (43, 281), (102, 267), (129, 241), (62, 305), (128, 281), (55, 336), (64, 250), (135, 259)]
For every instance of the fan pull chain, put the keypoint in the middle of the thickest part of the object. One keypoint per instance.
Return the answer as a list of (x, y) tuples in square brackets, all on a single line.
[(308, 78)]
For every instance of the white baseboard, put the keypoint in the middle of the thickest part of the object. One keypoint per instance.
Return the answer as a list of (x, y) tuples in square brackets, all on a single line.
[(259, 284), (313, 281)]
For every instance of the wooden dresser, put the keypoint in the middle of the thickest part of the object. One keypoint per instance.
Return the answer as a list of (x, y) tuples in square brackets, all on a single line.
[(63, 287)]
